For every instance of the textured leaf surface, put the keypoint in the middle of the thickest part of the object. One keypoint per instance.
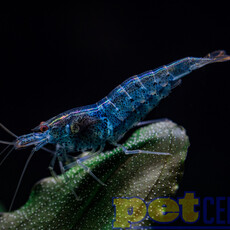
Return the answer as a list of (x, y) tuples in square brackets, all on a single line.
[(53, 206)]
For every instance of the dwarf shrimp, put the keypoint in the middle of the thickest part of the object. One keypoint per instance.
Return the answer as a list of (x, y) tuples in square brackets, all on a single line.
[(90, 127)]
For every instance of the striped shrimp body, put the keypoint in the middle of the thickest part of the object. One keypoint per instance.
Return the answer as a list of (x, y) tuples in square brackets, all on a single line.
[(89, 128), (131, 101)]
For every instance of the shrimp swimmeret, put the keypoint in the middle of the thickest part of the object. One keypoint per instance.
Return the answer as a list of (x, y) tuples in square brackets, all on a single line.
[(89, 128)]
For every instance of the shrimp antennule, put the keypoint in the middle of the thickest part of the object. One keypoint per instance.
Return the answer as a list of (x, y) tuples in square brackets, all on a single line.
[(8, 143), (7, 130)]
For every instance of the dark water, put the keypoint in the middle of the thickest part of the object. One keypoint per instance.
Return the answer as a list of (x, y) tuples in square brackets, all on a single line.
[(56, 57)]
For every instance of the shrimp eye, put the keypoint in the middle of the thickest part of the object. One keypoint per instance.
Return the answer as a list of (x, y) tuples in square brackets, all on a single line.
[(43, 127)]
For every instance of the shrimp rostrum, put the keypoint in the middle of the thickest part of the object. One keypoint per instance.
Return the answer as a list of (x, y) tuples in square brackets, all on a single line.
[(89, 128)]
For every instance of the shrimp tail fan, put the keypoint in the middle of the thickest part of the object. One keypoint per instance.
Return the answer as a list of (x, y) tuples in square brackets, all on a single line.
[(218, 56)]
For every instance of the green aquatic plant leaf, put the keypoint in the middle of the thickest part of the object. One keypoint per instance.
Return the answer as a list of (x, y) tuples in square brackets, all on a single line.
[(53, 206)]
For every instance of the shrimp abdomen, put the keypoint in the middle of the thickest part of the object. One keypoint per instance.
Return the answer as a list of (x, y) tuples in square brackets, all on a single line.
[(141, 93)]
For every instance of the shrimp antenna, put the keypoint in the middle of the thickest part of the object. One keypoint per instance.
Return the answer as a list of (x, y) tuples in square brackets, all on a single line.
[(20, 180), (7, 130), (6, 154), (6, 142), (48, 150), (4, 149)]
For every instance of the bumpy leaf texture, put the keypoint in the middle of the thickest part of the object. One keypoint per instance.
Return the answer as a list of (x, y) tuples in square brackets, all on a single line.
[(52, 204)]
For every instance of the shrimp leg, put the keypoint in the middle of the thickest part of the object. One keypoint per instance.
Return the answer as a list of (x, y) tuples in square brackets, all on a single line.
[(60, 159), (86, 168), (56, 154), (51, 168), (54, 174), (142, 123), (137, 151), (82, 159)]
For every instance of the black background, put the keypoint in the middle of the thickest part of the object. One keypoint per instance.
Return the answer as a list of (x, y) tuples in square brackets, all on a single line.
[(56, 57)]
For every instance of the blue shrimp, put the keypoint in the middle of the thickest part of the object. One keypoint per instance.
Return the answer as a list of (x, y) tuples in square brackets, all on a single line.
[(89, 128)]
